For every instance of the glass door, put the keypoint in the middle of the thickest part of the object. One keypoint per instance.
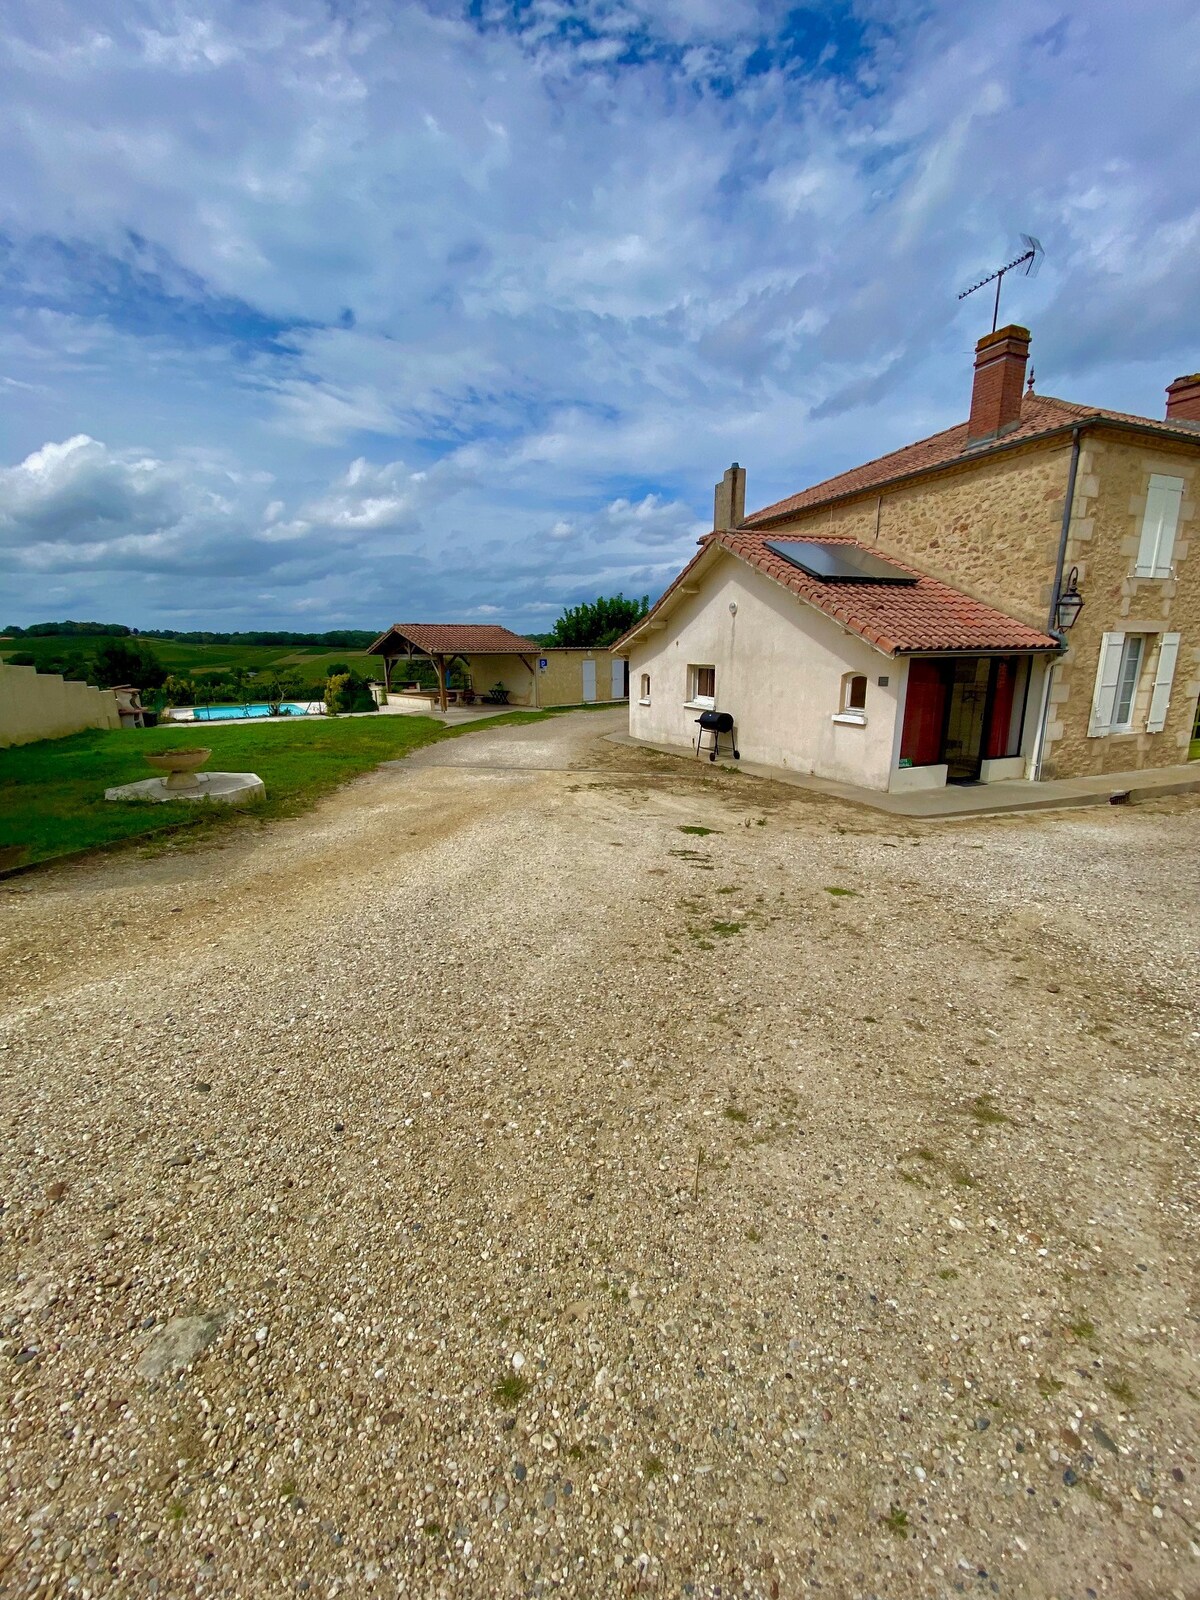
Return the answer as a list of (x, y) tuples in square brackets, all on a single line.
[(965, 717)]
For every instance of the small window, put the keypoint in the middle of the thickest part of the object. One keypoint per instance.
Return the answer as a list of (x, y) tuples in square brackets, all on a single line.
[(1127, 682), (645, 693), (1159, 524), (702, 685), (852, 706)]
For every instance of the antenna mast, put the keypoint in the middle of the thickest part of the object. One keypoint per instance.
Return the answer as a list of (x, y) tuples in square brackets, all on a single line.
[(1030, 258)]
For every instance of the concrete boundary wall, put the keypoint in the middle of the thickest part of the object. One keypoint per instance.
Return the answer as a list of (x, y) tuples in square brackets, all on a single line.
[(40, 705)]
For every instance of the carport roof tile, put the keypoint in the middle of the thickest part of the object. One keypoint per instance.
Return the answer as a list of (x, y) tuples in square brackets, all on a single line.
[(457, 639)]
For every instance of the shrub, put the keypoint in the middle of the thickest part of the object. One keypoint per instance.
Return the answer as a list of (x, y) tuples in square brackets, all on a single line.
[(349, 691), (335, 692)]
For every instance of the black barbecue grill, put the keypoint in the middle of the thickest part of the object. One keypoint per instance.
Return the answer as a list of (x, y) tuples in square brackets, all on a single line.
[(716, 723)]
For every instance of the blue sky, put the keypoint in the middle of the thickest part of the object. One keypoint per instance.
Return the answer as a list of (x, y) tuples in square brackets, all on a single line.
[(339, 314)]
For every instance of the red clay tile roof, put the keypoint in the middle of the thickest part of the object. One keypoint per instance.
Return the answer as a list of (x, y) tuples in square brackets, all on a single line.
[(1040, 415), (457, 639), (899, 619)]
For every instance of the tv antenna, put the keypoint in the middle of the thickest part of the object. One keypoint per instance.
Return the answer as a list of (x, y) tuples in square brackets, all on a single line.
[(1030, 258)]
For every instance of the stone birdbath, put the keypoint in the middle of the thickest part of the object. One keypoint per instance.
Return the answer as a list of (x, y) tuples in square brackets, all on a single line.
[(181, 767), (182, 781)]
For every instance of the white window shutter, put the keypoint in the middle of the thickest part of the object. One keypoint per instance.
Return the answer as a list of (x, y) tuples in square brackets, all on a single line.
[(1159, 525), (1108, 671), (1160, 699)]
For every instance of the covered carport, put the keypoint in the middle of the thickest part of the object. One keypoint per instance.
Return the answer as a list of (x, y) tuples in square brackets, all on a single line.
[(504, 659)]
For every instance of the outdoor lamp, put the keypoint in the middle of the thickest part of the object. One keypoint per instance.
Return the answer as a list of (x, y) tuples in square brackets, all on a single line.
[(1070, 602)]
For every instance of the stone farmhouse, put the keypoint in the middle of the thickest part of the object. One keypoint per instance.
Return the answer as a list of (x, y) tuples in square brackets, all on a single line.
[(1010, 598)]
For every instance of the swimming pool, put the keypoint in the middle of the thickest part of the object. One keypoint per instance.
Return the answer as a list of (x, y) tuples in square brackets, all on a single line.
[(220, 713)]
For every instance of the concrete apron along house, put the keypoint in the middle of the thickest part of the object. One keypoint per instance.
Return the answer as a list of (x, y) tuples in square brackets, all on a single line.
[(490, 658), (1017, 596)]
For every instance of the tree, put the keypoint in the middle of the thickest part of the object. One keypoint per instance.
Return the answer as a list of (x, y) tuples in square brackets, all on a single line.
[(179, 691), (128, 661), (276, 686), (599, 622)]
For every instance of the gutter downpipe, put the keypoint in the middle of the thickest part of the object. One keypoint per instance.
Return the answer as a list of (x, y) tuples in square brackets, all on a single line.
[(1064, 535)]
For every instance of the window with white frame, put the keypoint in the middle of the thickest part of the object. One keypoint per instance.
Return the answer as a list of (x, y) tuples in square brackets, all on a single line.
[(852, 707), (1123, 662), (644, 696), (1160, 523), (702, 685), (1128, 673)]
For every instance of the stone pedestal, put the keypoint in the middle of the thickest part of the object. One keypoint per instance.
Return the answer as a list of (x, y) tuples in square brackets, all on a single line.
[(217, 788)]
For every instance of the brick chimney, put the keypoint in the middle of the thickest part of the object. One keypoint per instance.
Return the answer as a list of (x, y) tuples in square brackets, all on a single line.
[(1000, 362), (1183, 399), (729, 501)]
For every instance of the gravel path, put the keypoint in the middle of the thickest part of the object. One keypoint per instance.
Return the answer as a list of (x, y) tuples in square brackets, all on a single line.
[(492, 1184)]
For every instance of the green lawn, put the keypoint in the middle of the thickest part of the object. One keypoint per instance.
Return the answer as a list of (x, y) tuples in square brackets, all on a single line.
[(52, 792)]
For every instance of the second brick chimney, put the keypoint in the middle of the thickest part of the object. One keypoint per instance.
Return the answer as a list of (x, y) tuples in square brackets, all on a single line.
[(729, 501), (1183, 399), (1000, 362)]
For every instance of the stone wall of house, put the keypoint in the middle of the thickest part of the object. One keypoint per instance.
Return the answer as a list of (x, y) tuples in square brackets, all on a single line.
[(989, 527), (41, 705), (1110, 501)]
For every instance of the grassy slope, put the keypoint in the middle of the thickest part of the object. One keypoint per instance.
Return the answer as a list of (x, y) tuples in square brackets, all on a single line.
[(310, 660), (52, 792)]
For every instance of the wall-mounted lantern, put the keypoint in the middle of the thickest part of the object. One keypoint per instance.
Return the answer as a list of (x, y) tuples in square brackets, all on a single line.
[(1070, 602)]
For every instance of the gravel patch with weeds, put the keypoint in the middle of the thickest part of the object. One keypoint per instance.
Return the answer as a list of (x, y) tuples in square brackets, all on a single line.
[(411, 1201)]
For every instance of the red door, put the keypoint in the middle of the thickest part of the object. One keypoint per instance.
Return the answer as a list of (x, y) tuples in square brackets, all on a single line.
[(1004, 689), (924, 714)]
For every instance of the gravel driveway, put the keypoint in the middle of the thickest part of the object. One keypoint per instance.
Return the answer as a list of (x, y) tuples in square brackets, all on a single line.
[(554, 1168)]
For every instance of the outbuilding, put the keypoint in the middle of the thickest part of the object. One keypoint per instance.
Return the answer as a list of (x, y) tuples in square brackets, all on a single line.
[(493, 663), (835, 661)]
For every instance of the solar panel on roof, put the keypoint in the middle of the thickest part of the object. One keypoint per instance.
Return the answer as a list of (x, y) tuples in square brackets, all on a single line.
[(838, 563)]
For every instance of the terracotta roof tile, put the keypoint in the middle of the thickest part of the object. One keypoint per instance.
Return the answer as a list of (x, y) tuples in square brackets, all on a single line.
[(457, 639), (899, 619), (1040, 415)]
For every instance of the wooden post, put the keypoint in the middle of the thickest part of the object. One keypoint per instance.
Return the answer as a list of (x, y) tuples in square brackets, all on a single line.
[(387, 674), (440, 668)]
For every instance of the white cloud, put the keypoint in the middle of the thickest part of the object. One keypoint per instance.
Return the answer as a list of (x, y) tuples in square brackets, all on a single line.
[(383, 302)]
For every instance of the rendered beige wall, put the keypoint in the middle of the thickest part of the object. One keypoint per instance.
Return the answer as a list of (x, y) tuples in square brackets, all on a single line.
[(779, 668), (487, 671), (561, 682), (40, 705)]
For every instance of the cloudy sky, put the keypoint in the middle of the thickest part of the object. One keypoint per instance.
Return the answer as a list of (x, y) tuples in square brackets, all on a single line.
[(342, 313)]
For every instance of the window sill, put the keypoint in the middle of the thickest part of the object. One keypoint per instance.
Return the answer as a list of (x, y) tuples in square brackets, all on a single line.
[(645, 702), (851, 719), (704, 703)]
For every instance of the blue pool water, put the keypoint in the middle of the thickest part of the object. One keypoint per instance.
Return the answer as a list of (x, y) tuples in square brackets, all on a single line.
[(219, 713)]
